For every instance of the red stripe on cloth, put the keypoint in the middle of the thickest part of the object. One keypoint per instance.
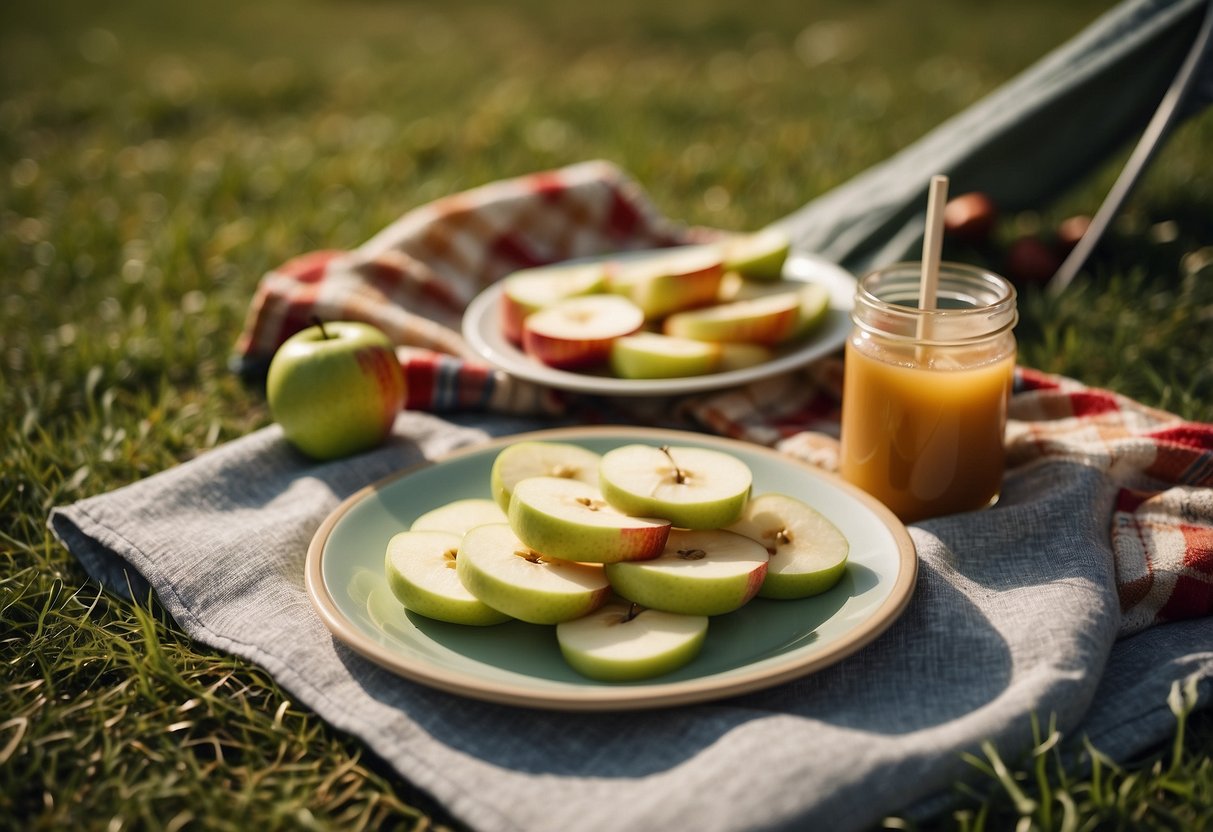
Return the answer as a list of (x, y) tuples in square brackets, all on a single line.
[(1199, 437), (309, 268), (1092, 403), (420, 374), (623, 218), (1030, 379), (510, 247), (300, 312), (1129, 500), (1191, 598), (548, 184), (1199, 552)]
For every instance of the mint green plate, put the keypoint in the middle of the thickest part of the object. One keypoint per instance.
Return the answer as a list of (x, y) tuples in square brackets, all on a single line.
[(762, 644)]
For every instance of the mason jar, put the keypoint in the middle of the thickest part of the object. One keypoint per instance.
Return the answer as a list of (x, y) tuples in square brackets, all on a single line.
[(925, 391)]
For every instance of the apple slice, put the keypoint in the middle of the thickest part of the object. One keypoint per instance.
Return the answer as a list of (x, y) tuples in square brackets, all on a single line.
[(699, 573), (759, 255), (459, 516), (651, 355), (622, 642), (422, 574), (505, 574), (808, 552), (814, 306), (765, 320), (523, 460), (814, 298), (739, 356), (669, 279), (529, 290), (693, 488), (577, 333), (568, 519)]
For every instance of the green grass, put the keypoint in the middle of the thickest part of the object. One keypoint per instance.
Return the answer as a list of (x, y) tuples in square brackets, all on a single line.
[(157, 158)]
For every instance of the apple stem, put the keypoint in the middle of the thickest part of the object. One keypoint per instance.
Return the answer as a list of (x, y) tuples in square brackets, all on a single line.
[(679, 476), (318, 322)]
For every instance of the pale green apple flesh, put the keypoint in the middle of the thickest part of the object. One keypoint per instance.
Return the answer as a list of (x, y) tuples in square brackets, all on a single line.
[(623, 642), (526, 291), (652, 355), (335, 390), (764, 320), (693, 488), (460, 516), (808, 554), (759, 255), (741, 356), (504, 573), (668, 280), (422, 574), (523, 460), (710, 572), (814, 306), (569, 520)]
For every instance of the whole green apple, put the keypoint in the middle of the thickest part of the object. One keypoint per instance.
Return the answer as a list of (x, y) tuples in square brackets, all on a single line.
[(335, 388)]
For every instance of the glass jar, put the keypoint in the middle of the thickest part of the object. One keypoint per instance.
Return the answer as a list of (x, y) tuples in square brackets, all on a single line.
[(925, 391)]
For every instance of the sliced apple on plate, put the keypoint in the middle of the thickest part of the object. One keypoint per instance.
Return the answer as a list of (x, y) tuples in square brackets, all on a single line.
[(710, 572), (740, 356), (504, 573), (652, 355), (760, 254), (765, 320), (622, 642), (459, 516), (422, 574), (577, 333), (569, 520), (808, 554), (668, 280), (693, 488), (523, 460), (526, 291)]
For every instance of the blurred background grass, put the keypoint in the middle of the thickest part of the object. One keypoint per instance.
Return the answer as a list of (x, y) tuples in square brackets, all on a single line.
[(157, 158)]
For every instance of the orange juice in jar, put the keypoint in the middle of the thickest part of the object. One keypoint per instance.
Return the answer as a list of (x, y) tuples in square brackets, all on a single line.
[(925, 391)]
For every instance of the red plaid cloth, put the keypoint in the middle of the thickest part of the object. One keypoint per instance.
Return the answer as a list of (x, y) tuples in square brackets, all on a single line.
[(414, 279)]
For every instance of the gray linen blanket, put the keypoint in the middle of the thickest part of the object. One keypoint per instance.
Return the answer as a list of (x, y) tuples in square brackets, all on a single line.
[(1016, 613)]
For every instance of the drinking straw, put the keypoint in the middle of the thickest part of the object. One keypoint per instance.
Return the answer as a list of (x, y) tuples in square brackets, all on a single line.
[(932, 246)]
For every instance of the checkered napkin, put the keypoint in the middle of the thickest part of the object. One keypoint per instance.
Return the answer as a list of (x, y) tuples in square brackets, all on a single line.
[(414, 279)]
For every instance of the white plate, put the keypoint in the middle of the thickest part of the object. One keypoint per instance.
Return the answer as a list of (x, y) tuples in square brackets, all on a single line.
[(762, 644), (483, 333)]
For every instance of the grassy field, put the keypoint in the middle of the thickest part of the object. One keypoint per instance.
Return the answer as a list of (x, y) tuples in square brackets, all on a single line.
[(157, 158)]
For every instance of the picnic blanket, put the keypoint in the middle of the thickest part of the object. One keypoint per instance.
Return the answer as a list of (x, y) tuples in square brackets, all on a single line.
[(1084, 595)]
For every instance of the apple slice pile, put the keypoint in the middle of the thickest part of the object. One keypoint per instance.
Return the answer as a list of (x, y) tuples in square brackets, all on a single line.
[(669, 313), (628, 553)]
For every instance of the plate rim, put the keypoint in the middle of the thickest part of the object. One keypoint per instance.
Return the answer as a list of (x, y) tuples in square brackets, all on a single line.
[(631, 697), (797, 268)]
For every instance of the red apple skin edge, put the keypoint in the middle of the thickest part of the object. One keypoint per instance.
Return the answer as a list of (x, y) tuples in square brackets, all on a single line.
[(645, 544), (563, 353), (512, 315), (385, 368)]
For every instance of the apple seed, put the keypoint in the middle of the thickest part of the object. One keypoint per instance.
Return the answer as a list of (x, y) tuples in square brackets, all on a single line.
[(528, 555), (448, 558), (692, 554)]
